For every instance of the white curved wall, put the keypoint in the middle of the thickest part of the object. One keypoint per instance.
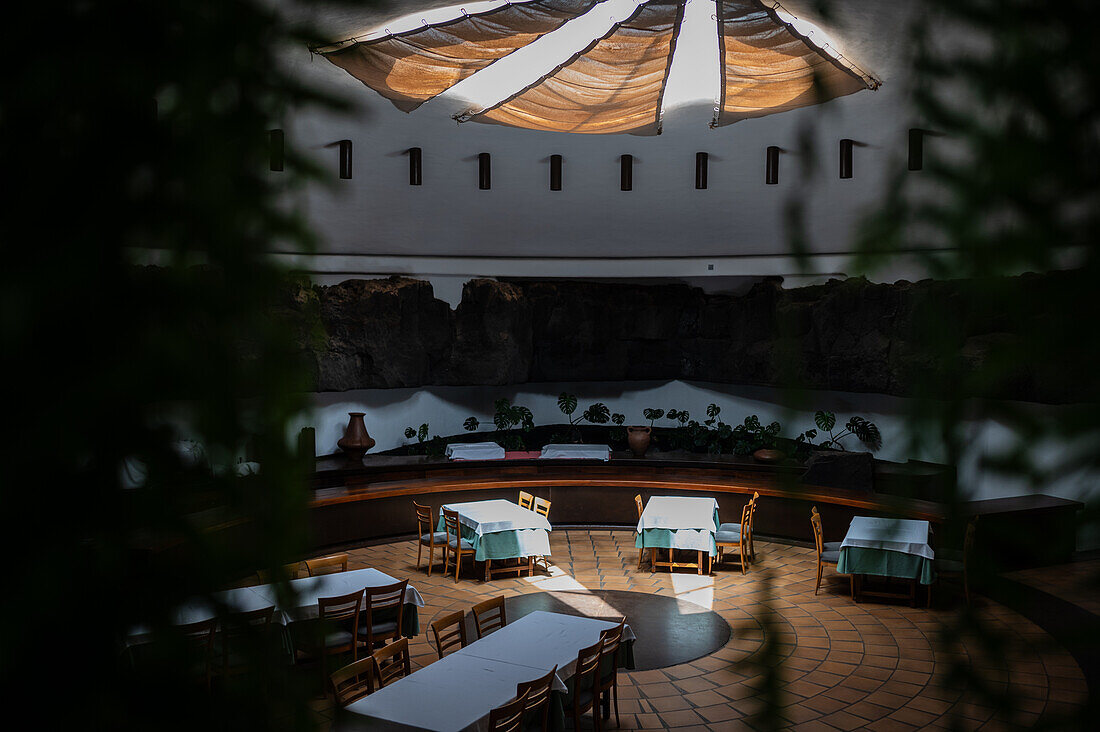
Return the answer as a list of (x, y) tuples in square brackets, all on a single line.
[(736, 226)]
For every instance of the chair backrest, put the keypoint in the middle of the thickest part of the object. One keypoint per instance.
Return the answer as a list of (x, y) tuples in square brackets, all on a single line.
[(508, 717), (449, 632), (815, 522), (340, 607), (489, 615), (542, 507), (450, 523), (200, 645), (746, 519), (291, 571), (752, 510), (586, 672), (244, 629), (327, 565), (526, 500), (353, 682), (384, 599), (537, 692), (609, 655), (638, 503), (392, 661), (424, 524), (968, 541)]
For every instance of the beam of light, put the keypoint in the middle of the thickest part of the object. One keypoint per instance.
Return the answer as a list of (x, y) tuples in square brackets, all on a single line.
[(695, 588), (515, 71), (694, 75)]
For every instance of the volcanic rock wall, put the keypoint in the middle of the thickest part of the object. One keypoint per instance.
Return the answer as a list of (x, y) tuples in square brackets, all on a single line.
[(849, 335)]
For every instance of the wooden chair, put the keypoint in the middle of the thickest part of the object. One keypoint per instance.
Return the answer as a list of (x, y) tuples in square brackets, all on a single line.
[(582, 694), (428, 536), (608, 678), (638, 503), (537, 708), (449, 632), (542, 507), (950, 564), (243, 632), (489, 616), (752, 525), (827, 553), (735, 536), (526, 500), (456, 545), (392, 662), (336, 628), (353, 682), (291, 571), (382, 614), (508, 717), (200, 648), (327, 565)]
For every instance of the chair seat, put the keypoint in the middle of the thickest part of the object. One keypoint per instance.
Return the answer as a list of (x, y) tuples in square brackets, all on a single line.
[(735, 528), (832, 546), (949, 566), (466, 545), (333, 640), (830, 557), (439, 537), (379, 629), (724, 536)]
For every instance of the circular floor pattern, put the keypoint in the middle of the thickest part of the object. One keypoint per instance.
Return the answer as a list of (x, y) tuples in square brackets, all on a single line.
[(676, 631)]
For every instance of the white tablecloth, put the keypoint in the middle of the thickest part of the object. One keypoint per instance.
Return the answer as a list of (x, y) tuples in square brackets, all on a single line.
[(907, 536), (475, 451), (309, 589), (576, 452), (456, 693), (678, 512), (485, 517), (453, 694), (544, 640)]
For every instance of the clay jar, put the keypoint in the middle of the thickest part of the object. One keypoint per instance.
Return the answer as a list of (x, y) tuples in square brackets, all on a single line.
[(638, 439), (355, 441)]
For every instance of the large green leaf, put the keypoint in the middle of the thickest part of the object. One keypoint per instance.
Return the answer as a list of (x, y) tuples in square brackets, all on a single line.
[(471, 424), (825, 421), (567, 403), (598, 413)]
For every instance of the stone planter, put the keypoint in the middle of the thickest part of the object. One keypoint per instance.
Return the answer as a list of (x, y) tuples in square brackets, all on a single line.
[(638, 438)]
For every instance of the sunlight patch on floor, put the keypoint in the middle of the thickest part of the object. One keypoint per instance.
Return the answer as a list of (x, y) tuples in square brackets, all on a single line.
[(695, 588)]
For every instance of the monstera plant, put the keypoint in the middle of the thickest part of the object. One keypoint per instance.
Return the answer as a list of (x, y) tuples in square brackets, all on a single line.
[(863, 430)]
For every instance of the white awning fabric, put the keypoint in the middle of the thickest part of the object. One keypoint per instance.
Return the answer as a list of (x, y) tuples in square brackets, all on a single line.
[(615, 85), (768, 66), (411, 67)]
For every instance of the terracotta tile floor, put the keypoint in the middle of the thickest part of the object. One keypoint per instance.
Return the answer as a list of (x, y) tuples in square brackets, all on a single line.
[(1077, 582), (841, 665)]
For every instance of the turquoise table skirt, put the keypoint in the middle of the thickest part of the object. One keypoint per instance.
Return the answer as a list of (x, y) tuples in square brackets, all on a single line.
[(494, 545), (885, 563), (667, 539)]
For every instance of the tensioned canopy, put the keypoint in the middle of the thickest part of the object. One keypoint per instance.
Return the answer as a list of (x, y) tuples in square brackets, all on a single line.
[(412, 67), (616, 83), (769, 67)]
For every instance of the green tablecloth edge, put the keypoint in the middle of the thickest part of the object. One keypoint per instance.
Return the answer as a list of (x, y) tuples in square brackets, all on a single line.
[(494, 545), (885, 563)]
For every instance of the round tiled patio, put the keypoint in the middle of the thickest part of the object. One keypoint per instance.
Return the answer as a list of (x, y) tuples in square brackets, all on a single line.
[(826, 662)]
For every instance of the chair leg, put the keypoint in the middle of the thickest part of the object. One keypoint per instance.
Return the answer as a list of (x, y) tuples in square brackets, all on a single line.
[(419, 551), (641, 553), (458, 563), (818, 586)]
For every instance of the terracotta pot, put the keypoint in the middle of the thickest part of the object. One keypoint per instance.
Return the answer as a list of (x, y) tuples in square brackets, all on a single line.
[(768, 456), (638, 439), (355, 441)]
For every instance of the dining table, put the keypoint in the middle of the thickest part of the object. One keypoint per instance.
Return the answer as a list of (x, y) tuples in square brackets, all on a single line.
[(887, 547), (305, 592), (464, 686), (678, 522), (499, 530)]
